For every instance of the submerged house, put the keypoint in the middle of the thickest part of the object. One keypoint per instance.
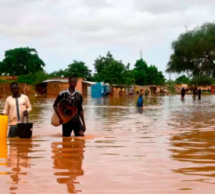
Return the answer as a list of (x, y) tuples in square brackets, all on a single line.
[(152, 89), (121, 90)]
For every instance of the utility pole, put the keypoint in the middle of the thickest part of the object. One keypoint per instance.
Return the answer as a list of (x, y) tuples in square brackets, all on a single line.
[(141, 54)]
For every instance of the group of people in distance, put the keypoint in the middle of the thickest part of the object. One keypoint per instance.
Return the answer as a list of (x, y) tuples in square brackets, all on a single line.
[(183, 91), (195, 93), (18, 106)]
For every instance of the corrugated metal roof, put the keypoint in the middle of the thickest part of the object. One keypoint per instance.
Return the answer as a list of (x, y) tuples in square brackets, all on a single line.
[(56, 80), (90, 82)]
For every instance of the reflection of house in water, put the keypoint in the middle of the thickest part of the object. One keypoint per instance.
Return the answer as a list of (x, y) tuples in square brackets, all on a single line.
[(52, 87), (68, 156)]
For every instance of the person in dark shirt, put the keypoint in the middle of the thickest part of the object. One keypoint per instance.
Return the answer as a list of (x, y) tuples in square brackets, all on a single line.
[(77, 123), (140, 101), (199, 93), (182, 94), (194, 93)]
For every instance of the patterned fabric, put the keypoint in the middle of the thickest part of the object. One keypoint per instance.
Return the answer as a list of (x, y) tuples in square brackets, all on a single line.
[(74, 99)]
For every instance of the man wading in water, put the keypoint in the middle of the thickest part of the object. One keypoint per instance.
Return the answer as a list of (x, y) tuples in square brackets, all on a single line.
[(182, 94), (74, 98), (16, 107)]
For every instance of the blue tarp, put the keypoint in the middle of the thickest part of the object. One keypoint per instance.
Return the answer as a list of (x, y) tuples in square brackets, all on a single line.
[(99, 90), (96, 90)]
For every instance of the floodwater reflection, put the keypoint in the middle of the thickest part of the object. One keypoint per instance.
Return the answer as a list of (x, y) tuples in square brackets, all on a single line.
[(168, 147), (197, 147), (3, 155), (68, 156), (19, 161)]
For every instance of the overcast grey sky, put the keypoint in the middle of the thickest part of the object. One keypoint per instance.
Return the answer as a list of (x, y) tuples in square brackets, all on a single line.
[(65, 30)]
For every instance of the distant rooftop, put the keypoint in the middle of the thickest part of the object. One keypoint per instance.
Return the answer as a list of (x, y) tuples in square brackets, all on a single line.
[(63, 80)]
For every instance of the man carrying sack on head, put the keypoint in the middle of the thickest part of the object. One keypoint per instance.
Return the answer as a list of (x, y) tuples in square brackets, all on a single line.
[(16, 107), (68, 107)]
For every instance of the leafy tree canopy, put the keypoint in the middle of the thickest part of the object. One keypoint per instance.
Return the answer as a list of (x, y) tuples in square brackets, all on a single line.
[(117, 73), (21, 61), (147, 75), (59, 73), (194, 52), (33, 78), (78, 69), (140, 72), (112, 71), (182, 79), (202, 80), (154, 77), (101, 62)]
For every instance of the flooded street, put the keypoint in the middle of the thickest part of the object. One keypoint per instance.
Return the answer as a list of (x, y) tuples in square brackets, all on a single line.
[(169, 147)]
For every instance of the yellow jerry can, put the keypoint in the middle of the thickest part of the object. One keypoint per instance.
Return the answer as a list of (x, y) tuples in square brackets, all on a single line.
[(3, 152), (3, 126)]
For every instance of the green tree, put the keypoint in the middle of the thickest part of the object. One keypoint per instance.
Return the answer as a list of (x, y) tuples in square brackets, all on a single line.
[(40, 76), (154, 77), (194, 52), (182, 80), (21, 61), (128, 76), (101, 62), (140, 72), (59, 73), (78, 69), (33, 78), (202, 80), (112, 71), (117, 73), (95, 78)]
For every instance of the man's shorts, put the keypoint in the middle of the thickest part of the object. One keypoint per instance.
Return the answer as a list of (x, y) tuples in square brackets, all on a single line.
[(71, 126), (13, 132)]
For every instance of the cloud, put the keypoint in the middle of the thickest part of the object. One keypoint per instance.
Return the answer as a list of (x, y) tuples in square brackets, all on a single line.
[(69, 27), (166, 6)]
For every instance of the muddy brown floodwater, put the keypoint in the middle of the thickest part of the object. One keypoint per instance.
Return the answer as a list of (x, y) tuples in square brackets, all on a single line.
[(168, 147)]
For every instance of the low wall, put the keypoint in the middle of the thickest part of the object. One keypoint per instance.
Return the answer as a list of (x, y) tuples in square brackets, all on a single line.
[(23, 88), (54, 88)]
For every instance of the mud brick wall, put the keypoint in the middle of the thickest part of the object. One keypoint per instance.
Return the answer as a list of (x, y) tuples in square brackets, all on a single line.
[(54, 88), (23, 88)]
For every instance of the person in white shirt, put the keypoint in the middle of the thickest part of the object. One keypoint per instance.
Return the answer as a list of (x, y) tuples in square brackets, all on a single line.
[(16, 107)]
